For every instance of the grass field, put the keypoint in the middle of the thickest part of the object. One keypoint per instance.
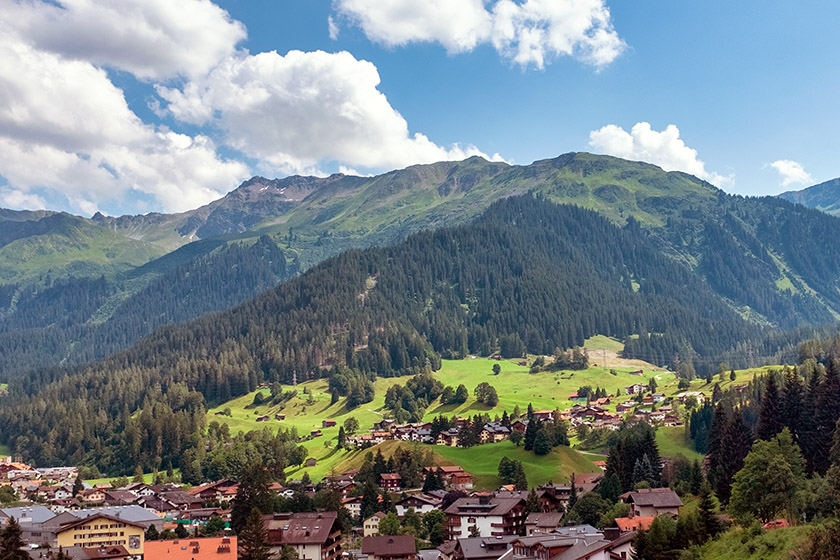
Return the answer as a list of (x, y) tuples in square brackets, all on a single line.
[(147, 478), (5, 451), (744, 544), (671, 441), (515, 385)]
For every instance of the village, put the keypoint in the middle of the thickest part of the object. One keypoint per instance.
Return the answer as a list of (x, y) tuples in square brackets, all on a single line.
[(62, 516)]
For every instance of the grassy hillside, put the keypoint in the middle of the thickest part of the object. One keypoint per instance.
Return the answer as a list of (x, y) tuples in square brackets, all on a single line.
[(515, 387), (5, 451), (755, 544)]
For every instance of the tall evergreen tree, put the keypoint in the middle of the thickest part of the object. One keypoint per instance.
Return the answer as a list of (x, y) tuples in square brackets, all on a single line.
[(253, 492), (11, 541), (792, 411), (735, 445), (531, 432), (770, 420), (716, 430), (828, 412), (253, 538)]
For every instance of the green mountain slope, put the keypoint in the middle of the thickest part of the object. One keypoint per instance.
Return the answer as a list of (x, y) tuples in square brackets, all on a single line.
[(528, 275), (757, 254), (824, 197)]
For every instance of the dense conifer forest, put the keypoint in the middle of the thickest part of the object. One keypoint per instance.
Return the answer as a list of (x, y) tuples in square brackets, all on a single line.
[(540, 275)]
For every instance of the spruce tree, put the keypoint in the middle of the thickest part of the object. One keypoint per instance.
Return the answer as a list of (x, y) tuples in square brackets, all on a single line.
[(253, 538), (11, 541), (828, 412), (253, 492), (531, 433), (706, 510), (718, 426), (770, 421), (520, 482), (532, 504), (791, 405), (735, 445)]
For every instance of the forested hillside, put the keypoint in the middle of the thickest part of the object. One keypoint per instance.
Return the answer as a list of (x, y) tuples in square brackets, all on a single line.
[(825, 197), (527, 276), (755, 254)]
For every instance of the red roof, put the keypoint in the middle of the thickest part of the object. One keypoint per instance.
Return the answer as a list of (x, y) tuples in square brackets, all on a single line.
[(192, 549), (625, 524)]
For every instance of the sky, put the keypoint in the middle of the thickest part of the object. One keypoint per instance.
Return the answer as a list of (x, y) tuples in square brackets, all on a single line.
[(132, 106)]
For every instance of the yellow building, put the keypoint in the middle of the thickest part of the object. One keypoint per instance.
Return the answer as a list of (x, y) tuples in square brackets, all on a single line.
[(102, 530)]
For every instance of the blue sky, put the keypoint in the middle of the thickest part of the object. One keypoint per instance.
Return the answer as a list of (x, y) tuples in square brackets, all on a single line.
[(135, 106)]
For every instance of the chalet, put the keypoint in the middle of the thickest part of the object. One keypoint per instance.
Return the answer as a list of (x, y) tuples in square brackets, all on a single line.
[(561, 547), (519, 425), (390, 482), (313, 536), (493, 432), (279, 416), (544, 414), (384, 425), (120, 498), (397, 547), (637, 372), (603, 401), (448, 437), (635, 389), (205, 548), (477, 548), (658, 397), (315, 433), (328, 423), (423, 435), (651, 502), (672, 420), (543, 522), (699, 396), (263, 418), (370, 526), (310, 462), (488, 516), (600, 464), (224, 489), (92, 495), (456, 477), (353, 505), (624, 407), (420, 503)]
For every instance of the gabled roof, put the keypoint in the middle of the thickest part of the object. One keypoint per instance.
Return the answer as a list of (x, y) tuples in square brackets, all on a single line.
[(544, 520), (655, 497), (398, 545), (478, 506), (91, 518), (303, 528), (100, 553)]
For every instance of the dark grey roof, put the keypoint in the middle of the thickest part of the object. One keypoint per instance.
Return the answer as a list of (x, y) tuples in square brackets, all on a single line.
[(656, 497), (29, 514), (544, 520), (477, 548), (397, 545), (133, 514)]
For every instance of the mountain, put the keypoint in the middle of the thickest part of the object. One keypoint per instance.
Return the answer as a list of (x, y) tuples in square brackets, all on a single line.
[(527, 275), (825, 197), (772, 262)]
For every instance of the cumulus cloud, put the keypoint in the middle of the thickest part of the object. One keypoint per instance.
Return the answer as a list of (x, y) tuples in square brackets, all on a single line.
[(294, 111), (65, 126), (665, 149), (529, 33), (152, 39), (19, 200), (791, 172)]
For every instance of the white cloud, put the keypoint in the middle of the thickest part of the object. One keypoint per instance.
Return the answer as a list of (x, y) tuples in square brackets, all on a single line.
[(152, 39), (296, 111), (665, 149), (528, 33), (332, 27), (792, 173), (65, 126), (19, 200)]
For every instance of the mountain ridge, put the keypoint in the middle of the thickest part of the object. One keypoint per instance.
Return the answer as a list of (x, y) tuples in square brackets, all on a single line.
[(823, 196)]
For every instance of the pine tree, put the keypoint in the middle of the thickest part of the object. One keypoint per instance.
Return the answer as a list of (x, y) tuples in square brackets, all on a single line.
[(828, 412), (532, 504), (531, 432), (520, 482), (11, 541), (706, 510), (770, 421), (78, 485), (716, 430), (791, 401), (342, 438), (735, 445), (573, 497), (253, 538), (696, 478), (253, 492), (152, 533), (542, 443)]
